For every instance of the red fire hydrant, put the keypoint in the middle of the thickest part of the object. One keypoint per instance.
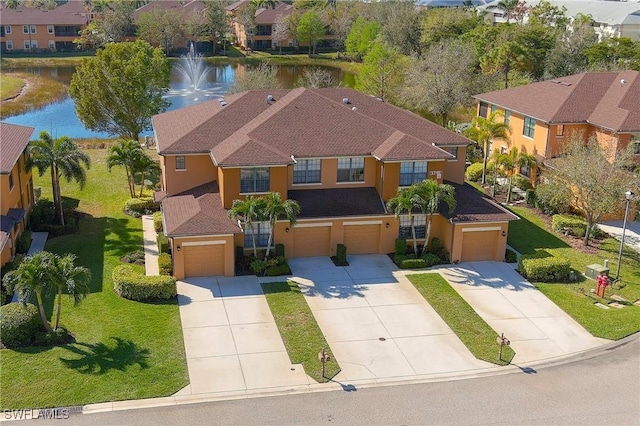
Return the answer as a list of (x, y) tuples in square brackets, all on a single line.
[(603, 282)]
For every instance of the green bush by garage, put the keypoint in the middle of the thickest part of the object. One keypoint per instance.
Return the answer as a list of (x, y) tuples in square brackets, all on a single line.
[(131, 283)]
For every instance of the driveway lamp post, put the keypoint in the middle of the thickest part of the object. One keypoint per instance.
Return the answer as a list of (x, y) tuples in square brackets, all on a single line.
[(628, 195)]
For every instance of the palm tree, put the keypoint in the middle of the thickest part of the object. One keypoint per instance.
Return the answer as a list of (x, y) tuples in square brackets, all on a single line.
[(275, 208), (407, 201), (64, 158), (264, 4), (65, 275), (250, 210), (143, 165), (433, 193), (483, 131), (123, 154), (495, 162), (507, 6), (32, 277)]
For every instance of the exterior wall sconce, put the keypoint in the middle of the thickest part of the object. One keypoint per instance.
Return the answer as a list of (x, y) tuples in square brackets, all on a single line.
[(388, 224), (178, 248), (286, 230), (504, 234)]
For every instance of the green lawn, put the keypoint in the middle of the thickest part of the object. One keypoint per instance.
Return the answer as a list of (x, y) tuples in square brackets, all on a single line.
[(530, 235), (124, 349), (476, 334), (10, 86), (301, 334), (39, 92)]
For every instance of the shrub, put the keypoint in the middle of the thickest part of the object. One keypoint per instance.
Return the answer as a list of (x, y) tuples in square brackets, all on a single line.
[(55, 337), (165, 264), (412, 263), (341, 253), (575, 225), (43, 213), (131, 283), (530, 197), (552, 199), (280, 250), (18, 324), (430, 259), (510, 256), (473, 172), (136, 257), (259, 266), (24, 242), (399, 258), (157, 222), (521, 182), (136, 207), (37, 193), (401, 246), (547, 269), (163, 243), (273, 271)]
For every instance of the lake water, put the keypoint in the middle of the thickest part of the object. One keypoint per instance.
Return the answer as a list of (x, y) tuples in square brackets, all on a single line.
[(60, 119)]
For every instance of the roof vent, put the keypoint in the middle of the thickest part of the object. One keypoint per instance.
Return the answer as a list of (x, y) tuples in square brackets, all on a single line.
[(346, 101), (623, 82), (222, 102), (354, 109), (270, 99)]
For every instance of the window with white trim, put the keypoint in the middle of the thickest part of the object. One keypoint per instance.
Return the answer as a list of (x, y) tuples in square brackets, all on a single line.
[(529, 127), (412, 172), (453, 150), (25, 29), (181, 163), (419, 223), (49, 29), (9, 45), (7, 29), (351, 169), (27, 45), (52, 44), (34, 44), (255, 179), (33, 29), (306, 171), (261, 230)]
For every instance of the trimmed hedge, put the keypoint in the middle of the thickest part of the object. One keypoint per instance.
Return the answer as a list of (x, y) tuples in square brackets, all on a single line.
[(24, 242), (430, 259), (274, 271), (546, 269), (341, 254), (18, 324), (510, 256), (163, 243), (575, 225), (473, 172), (279, 250), (412, 263), (165, 264), (157, 221), (132, 284), (138, 206), (401, 246)]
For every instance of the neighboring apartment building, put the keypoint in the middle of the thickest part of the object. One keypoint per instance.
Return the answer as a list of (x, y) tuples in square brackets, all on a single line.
[(16, 186), (544, 115), (339, 153), (34, 30)]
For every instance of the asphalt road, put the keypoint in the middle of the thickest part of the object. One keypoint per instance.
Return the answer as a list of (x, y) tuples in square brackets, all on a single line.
[(602, 389)]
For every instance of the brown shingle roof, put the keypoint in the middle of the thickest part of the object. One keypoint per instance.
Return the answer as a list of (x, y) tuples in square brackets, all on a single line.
[(268, 16), (177, 5), (337, 202), (597, 98), (198, 211), (13, 141), (70, 13), (300, 122), (472, 206)]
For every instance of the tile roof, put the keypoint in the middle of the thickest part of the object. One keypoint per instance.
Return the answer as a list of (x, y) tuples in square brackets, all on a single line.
[(337, 202), (301, 122), (197, 211), (601, 99), (472, 206), (183, 6), (13, 141), (70, 13), (269, 15)]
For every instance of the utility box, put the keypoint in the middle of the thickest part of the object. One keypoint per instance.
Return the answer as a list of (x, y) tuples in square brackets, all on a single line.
[(592, 271)]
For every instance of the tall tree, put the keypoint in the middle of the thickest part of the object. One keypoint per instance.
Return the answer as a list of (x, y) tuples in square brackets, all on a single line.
[(361, 38), (442, 80), (217, 23), (246, 15), (401, 29), (276, 208), (434, 194), (310, 29), (316, 78), (162, 26), (127, 153), (381, 74), (280, 32), (440, 23), (484, 130), (340, 21), (597, 175), (65, 276), (263, 76), (509, 7), (568, 55), (249, 210), (408, 201), (121, 88), (505, 57), (64, 159)]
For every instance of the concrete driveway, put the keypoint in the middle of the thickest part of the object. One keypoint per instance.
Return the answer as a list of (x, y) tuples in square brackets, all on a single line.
[(377, 324), (231, 340), (537, 328)]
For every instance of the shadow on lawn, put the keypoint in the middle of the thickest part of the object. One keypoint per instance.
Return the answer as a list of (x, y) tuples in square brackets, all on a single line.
[(99, 358)]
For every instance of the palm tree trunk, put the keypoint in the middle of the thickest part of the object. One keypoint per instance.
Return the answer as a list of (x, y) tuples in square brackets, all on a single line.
[(57, 197), (253, 240), (43, 317), (484, 162), (428, 232), (509, 188), (141, 183), (59, 308), (413, 234), (266, 256), (130, 182)]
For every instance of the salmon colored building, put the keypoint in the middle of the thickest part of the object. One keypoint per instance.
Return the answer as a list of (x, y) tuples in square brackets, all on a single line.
[(339, 153), (16, 187)]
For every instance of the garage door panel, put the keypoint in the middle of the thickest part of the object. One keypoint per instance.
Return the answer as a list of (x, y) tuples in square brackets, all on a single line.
[(479, 245), (313, 241), (362, 239), (203, 260)]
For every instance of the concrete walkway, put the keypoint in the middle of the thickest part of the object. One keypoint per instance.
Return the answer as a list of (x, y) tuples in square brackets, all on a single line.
[(38, 241), (150, 246), (631, 236), (536, 327), (231, 340), (379, 327)]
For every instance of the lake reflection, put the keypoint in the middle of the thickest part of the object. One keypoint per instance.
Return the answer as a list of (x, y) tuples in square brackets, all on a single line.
[(60, 118)]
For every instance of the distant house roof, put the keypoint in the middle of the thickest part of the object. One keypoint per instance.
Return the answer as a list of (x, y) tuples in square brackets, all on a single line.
[(472, 206), (247, 129), (70, 13), (183, 6), (269, 15), (13, 141), (448, 3), (609, 100)]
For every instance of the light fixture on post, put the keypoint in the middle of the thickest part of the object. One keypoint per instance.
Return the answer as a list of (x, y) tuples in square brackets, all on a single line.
[(628, 195)]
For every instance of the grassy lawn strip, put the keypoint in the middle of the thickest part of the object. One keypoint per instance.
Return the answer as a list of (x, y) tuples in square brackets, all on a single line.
[(124, 349), (39, 92), (301, 334), (476, 334), (530, 235), (10, 86)]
